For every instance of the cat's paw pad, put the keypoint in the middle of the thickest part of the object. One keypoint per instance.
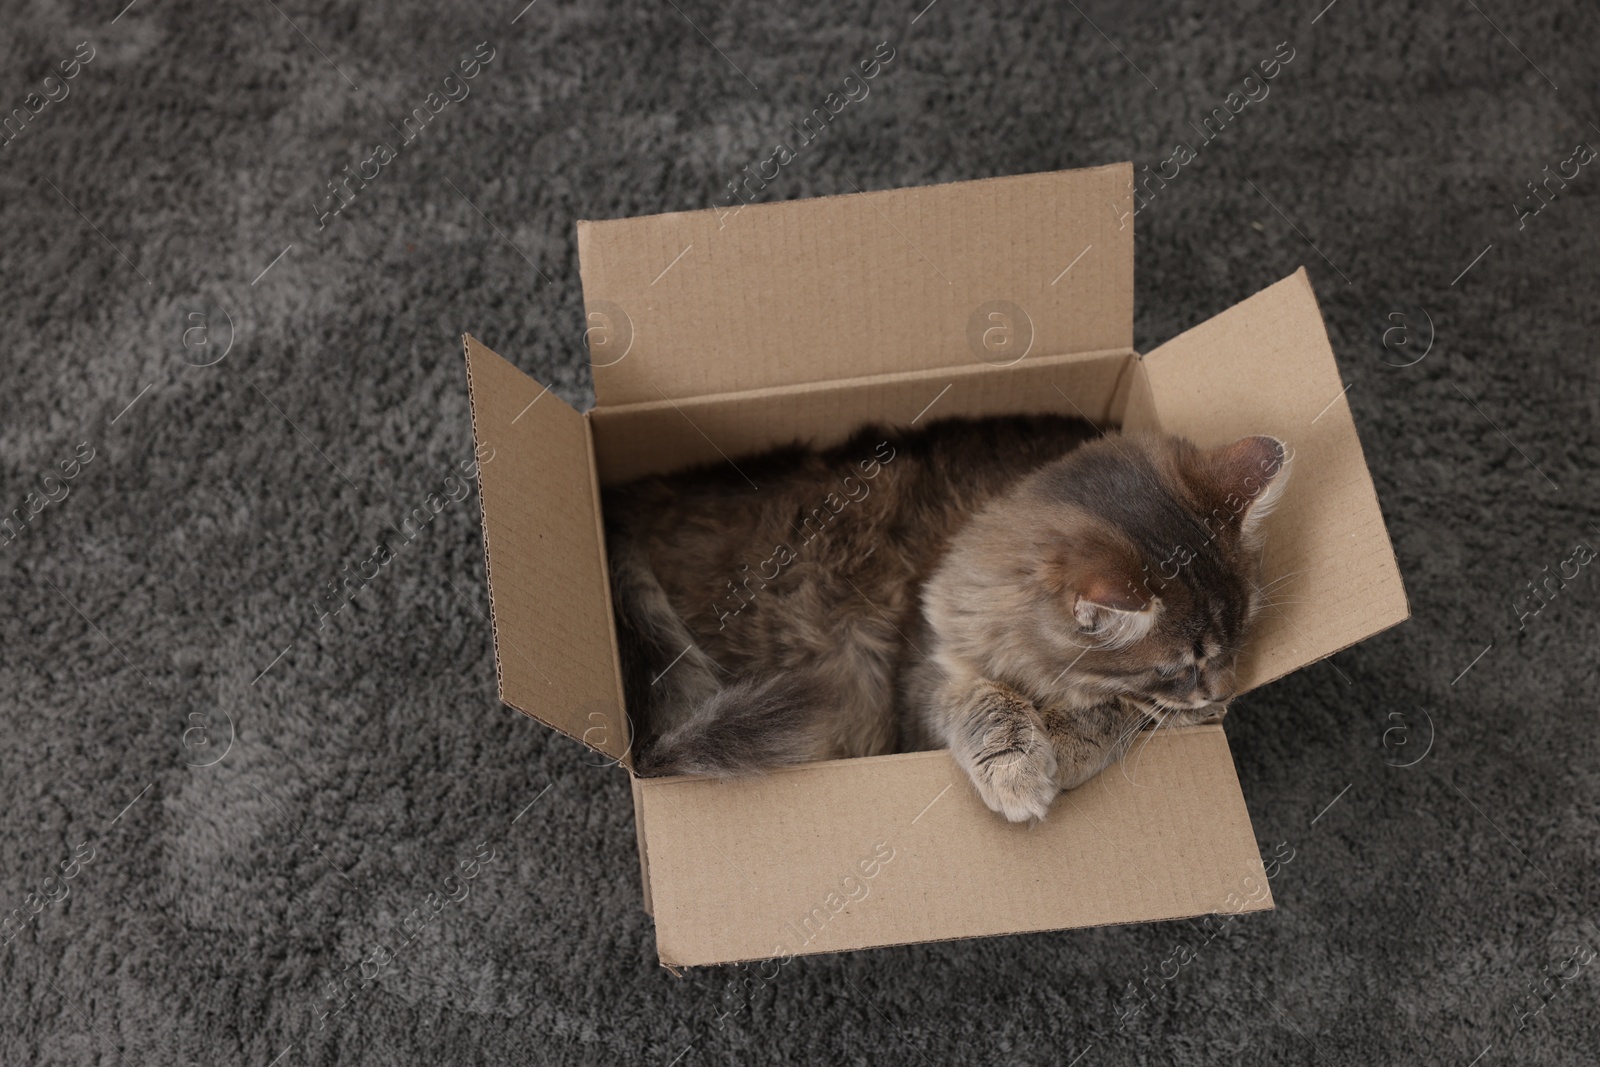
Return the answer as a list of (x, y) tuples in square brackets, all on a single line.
[(1016, 775)]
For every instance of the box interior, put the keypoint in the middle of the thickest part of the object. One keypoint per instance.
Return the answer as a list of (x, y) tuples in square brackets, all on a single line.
[(724, 859), (744, 351)]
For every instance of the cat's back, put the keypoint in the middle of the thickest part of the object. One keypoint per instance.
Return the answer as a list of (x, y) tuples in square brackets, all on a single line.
[(956, 465), (800, 553)]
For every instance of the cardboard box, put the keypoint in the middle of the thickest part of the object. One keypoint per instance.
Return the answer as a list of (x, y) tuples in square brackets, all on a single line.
[(716, 335)]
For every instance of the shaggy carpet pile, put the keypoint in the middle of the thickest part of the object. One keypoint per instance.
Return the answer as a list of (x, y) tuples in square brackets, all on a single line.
[(223, 379)]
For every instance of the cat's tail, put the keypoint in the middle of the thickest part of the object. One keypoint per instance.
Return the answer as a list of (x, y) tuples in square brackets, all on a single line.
[(685, 720), (665, 674), (745, 728)]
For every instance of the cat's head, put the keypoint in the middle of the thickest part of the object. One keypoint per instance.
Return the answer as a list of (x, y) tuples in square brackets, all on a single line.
[(1156, 575)]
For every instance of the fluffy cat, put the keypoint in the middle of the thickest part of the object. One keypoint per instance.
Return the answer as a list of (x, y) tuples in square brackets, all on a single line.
[(1024, 591)]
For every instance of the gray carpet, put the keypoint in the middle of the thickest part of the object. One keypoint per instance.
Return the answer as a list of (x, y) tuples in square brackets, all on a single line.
[(220, 898)]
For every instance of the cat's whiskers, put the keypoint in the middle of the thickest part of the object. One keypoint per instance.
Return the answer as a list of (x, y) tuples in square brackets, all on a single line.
[(1138, 724), (1278, 581), (1134, 756), (1150, 709)]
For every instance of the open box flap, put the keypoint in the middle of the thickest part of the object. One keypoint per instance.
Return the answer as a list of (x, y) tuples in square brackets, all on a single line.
[(724, 300), (891, 850), (548, 592), (1265, 366)]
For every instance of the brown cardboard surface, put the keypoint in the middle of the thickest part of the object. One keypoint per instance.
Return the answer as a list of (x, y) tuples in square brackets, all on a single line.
[(548, 593), (1265, 366), (651, 438), (737, 867), (724, 337), (701, 302)]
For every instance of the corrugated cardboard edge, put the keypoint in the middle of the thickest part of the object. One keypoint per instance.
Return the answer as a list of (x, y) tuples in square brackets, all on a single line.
[(626, 758), (607, 687), (467, 341)]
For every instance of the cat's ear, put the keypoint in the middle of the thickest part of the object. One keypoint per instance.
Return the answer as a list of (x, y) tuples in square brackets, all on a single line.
[(1113, 611), (1251, 475), (1101, 582)]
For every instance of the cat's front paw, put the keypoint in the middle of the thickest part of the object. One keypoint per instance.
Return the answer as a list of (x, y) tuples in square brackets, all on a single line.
[(1015, 772)]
